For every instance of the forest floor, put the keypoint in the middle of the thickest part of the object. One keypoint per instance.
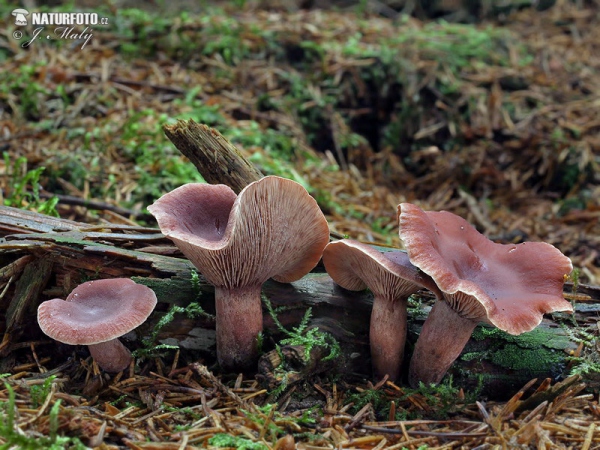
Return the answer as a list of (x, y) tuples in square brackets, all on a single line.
[(498, 122)]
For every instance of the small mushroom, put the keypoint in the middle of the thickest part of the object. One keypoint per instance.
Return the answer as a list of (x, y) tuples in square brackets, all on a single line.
[(20, 18), (508, 286), (272, 229), (392, 279), (96, 313)]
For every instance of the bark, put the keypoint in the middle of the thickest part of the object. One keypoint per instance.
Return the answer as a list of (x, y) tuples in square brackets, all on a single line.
[(216, 159)]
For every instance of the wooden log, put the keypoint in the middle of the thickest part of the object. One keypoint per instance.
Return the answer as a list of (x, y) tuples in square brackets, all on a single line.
[(27, 290), (217, 160), (502, 362), (19, 221)]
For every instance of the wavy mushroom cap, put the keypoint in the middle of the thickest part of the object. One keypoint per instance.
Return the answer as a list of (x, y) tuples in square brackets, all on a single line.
[(356, 266), (97, 311), (508, 285), (272, 229)]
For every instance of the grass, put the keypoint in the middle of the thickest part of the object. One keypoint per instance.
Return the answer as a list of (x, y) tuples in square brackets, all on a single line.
[(39, 393), (113, 147), (23, 84), (215, 44)]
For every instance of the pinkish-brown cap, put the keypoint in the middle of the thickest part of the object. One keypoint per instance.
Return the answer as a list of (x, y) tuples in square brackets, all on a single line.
[(272, 229), (356, 266), (392, 278), (97, 311), (508, 285)]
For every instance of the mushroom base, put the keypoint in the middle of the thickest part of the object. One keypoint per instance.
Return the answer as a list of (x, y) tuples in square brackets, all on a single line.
[(112, 356), (387, 337), (239, 320), (443, 337)]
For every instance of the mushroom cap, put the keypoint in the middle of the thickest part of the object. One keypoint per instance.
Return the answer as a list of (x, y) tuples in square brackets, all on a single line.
[(508, 285), (20, 11), (272, 229), (97, 311), (356, 266)]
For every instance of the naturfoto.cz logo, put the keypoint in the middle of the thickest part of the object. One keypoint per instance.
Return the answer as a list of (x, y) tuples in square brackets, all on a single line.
[(64, 24)]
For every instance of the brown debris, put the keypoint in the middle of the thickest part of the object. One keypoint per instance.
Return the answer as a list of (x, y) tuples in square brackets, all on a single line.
[(163, 418)]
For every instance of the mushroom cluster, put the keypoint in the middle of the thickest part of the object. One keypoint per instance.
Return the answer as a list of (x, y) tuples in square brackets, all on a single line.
[(474, 279), (272, 229), (275, 229)]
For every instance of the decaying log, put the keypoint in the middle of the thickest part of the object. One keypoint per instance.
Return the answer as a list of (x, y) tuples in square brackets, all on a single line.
[(19, 221), (217, 160)]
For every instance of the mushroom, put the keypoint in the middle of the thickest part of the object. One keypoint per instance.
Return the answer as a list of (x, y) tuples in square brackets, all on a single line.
[(272, 229), (96, 313), (20, 18), (510, 286), (392, 278)]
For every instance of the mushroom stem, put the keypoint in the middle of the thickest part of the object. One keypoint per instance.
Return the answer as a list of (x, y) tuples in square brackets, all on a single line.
[(387, 337), (112, 356), (443, 337), (239, 321)]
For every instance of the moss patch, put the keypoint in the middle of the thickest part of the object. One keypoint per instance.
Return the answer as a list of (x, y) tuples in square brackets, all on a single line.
[(540, 360), (541, 351), (539, 337)]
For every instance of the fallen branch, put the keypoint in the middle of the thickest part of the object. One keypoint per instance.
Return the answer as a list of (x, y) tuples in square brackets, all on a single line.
[(217, 160)]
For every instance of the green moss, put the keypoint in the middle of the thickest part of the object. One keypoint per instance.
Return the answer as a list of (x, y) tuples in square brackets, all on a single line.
[(540, 351), (538, 337), (226, 440), (174, 290), (470, 356), (14, 437), (535, 360)]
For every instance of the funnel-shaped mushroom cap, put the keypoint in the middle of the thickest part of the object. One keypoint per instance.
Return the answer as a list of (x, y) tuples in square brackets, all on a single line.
[(356, 266), (510, 286), (97, 311), (273, 229)]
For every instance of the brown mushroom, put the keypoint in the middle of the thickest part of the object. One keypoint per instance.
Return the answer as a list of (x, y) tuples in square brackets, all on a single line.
[(96, 313), (272, 229), (509, 286), (392, 279)]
